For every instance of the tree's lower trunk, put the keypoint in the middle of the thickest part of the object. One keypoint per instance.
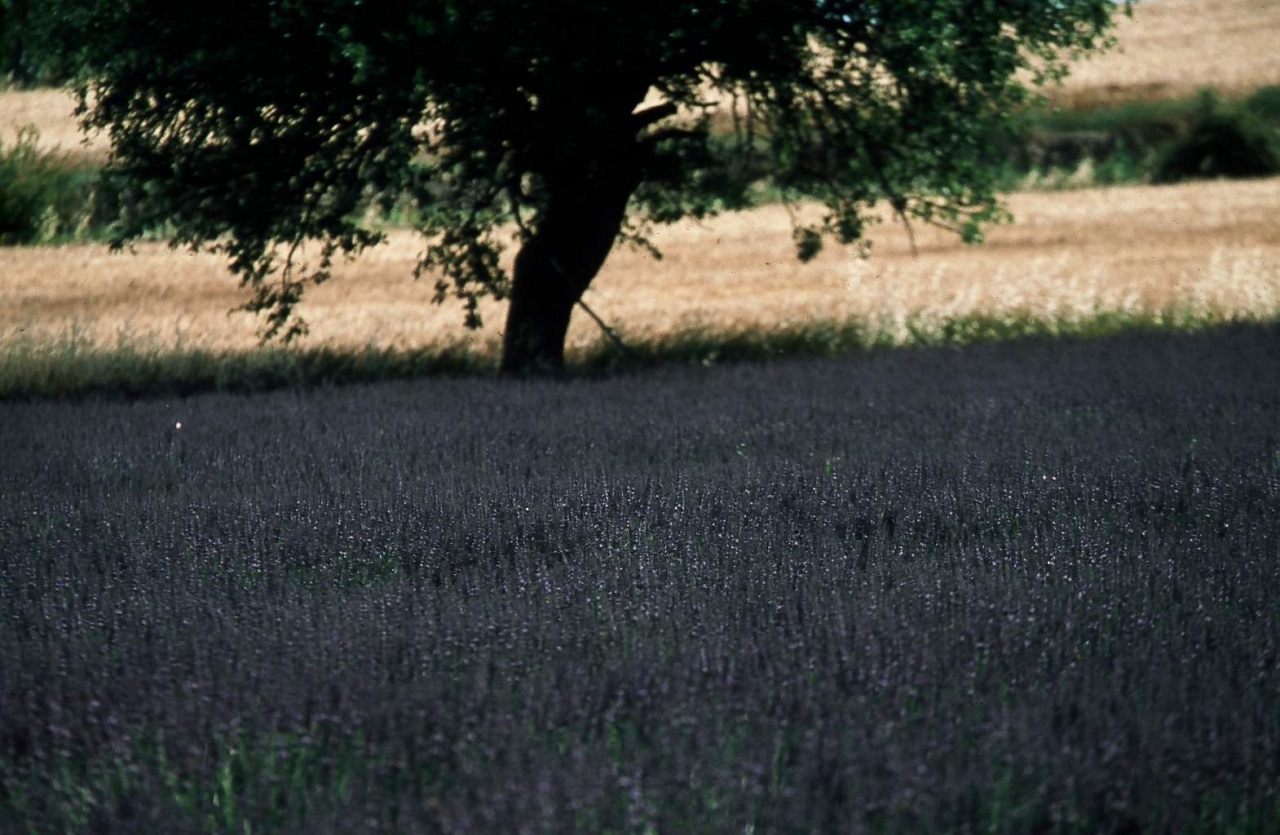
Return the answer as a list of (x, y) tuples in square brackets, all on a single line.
[(542, 300), (556, 265)]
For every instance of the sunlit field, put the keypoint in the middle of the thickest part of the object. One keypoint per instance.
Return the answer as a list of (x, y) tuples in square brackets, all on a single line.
[(52, 113), (1172, 48), (1211, 248)]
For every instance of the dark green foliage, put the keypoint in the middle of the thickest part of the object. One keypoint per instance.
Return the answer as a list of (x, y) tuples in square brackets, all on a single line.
[(12, 18), (1264, 103), (1139, 141), (46, 195), (1144, 123), (1021, 588), (259, 125), (29, 56), (17, 62), (1221, 142)]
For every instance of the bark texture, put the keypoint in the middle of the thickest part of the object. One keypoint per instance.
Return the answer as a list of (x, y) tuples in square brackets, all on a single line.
[(557, 263)]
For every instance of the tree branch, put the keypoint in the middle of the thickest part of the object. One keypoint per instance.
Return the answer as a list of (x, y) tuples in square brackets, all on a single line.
[(622, 347), (652, 115), (826, 108), (604, 326)]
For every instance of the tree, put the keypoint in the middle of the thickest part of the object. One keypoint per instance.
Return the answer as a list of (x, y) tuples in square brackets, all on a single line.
[(256, 127)]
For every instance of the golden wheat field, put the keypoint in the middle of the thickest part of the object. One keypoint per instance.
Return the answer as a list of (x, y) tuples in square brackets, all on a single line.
[(1209, 247), (1172, 48), (52, 113)]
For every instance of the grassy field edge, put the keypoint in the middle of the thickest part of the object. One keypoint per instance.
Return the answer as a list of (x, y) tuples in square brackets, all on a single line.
[(72, 366)]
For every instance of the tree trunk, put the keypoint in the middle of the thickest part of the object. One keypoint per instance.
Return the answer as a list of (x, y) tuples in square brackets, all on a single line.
[(556, 265)]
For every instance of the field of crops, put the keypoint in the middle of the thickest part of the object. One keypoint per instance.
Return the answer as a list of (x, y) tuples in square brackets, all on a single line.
[(1211, 248), (1028, 587), (1172, 48)]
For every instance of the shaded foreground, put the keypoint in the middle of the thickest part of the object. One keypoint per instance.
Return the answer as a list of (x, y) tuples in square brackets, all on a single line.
[(1026, 587)]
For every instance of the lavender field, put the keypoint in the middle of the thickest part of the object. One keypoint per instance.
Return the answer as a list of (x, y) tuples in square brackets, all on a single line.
[(1026, 587)]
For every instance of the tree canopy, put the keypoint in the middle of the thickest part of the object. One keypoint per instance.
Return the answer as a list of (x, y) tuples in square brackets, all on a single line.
[(21, 59), (255, 127)]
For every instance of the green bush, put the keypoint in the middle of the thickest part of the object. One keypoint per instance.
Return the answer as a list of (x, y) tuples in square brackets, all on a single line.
[(1140, 123), (1265, 104), (46, 195), (1162, 141), (1222, 142)]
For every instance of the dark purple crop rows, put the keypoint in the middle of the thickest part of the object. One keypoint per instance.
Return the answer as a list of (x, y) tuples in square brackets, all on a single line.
[(1025, 588)]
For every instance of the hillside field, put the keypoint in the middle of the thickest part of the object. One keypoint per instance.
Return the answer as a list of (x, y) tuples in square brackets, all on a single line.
[(1172, 48)]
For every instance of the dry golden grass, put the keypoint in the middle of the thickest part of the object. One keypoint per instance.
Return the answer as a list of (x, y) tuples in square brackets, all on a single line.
[(52, 114), (1212, 247), (1172, 48)]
